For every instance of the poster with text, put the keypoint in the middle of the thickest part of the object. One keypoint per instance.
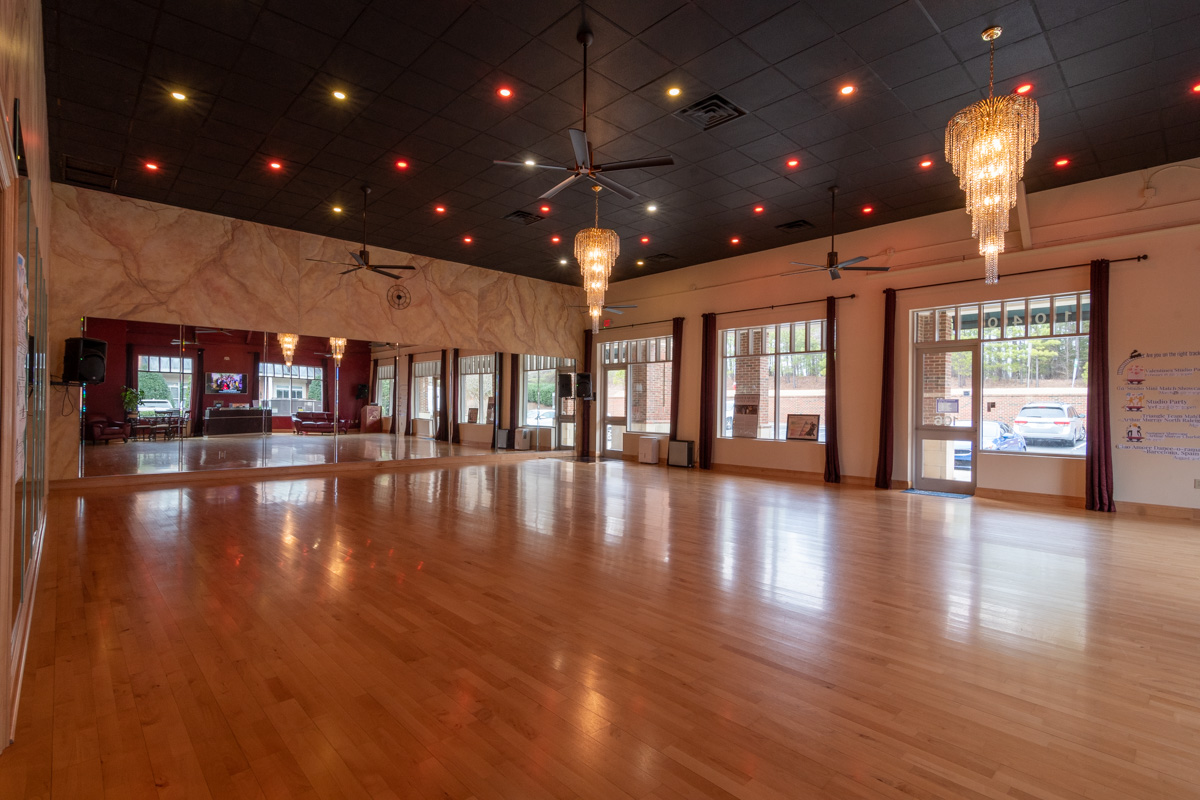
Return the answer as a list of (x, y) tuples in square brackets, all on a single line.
[(1156, 403)]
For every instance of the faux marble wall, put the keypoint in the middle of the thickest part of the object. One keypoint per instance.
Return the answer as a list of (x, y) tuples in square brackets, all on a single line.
[(121, 258)]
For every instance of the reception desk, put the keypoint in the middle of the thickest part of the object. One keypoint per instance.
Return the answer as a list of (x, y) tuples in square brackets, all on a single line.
[(230, 421)]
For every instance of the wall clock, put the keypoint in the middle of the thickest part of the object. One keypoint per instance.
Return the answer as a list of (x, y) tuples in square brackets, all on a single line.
[(398, 297)]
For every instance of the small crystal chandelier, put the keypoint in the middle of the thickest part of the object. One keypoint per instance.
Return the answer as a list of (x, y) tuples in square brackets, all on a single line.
[(337, 346), (287, 343), (987, 145), (596, 250)]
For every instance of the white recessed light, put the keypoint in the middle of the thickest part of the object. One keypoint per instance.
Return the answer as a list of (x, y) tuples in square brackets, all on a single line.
[(652, 207), (529, 162), (562, 261), (179, 95), (340, 95)]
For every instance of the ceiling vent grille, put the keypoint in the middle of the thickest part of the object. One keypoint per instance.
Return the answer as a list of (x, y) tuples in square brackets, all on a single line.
[(659, 258), (795, 225), (524, 217), (89, 173), (710, 112)]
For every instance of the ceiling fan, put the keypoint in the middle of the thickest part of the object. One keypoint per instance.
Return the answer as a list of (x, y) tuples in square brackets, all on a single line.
[(832, 265), (584, 167), (197, 332), (613, 309), (362, 259)]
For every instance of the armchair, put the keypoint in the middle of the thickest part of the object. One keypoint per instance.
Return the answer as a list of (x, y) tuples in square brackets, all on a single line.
[(99, 427)]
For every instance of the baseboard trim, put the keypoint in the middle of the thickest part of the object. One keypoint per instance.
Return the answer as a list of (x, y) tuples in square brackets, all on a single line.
[(1030, 498), (1152, 510)]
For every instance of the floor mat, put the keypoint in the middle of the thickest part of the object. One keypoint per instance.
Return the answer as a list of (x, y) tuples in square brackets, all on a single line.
[(935, 494)]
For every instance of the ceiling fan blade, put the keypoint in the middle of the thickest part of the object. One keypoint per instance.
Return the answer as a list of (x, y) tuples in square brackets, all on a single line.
[(391, 266), (815, 268), (357, 259), (531, 166), (609, 183), (352, 269), (628, 305), (806, 264), (637, 163), (835, 274), (324, 261), (378, 271), (866, 269), (850, 261), (579, 144), (559, 187), (613, 310)]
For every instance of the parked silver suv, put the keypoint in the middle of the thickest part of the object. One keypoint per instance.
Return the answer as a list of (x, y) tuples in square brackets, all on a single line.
[(1050, 422)]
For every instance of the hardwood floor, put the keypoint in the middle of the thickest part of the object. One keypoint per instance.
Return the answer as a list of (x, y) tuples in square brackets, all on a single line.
[(551, 629)]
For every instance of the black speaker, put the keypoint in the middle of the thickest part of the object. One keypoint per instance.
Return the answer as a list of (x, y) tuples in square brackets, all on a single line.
[(83, 360), (566, 385), (360, 391), (583, 385)]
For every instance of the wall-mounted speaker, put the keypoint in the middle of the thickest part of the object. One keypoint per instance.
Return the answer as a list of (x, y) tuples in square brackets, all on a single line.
[(583, 385), (566, 385), (360, 391), (83, 360)]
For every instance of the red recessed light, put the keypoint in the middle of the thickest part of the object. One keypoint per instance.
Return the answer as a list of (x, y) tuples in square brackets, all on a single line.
[(440, 209), (926, 164), (275, 165), (735, 240), (401, 164), (793, 162), (466, 240), (1196, 88), (504, 91), (151, 166), (868, 209), (545, 209), (1062, 162), (759, 209), (555, 239), (847, 90), (1024, 88), (645, 240)]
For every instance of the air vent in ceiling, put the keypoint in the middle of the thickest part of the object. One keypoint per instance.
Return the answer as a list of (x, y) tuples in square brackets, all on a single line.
[(795, 225), (89, 173), (710, 112), (524, 217), (659, 258)]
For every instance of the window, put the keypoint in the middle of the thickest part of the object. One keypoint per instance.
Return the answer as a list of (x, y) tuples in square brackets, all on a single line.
[(539, 386), (769, 372), (476, 389), (645, 367), (427, 389), (385, 385), (1034, 360), (290, 389), (166, 378)]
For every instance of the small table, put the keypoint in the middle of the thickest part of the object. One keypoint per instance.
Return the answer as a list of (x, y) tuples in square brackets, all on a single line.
[(142, 430)]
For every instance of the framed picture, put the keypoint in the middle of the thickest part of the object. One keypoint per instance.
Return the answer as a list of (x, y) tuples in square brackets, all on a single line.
[(803, 426)]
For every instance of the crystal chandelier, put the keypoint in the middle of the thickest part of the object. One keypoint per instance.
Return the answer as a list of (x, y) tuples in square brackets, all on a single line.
[(337, 346), (596, 250), (287, 343), (987, 145)]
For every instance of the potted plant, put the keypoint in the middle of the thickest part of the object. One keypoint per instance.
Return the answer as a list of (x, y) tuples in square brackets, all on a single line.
[(130, 399)]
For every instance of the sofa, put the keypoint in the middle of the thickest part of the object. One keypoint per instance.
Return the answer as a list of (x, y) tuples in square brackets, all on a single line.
[(100, 427), (318, 422)]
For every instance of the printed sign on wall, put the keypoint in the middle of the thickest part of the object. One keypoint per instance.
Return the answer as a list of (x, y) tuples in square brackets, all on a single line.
[(1156, 398)]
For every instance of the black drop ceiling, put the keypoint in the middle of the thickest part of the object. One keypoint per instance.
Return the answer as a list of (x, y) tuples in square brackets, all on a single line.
[(1113, 81)]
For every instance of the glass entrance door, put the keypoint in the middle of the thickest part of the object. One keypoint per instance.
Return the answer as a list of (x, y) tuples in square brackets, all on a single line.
[(946, 423), (615, 420)]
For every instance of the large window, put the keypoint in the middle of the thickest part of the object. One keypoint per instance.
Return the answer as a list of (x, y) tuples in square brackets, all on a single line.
[(427, 389), (639, 374), (385, 385), (165, 378), (290, 389), (769, 372), (476, 378), (1034, 357), (539, 386)]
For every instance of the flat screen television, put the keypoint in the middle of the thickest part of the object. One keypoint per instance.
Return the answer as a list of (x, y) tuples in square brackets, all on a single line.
[(225, 383)]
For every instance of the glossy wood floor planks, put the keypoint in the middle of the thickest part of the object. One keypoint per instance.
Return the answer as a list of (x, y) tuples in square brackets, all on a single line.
[(553, 630)]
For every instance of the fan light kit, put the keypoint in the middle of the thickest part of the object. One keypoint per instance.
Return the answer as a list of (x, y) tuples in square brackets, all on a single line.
[(362, 259), (596, 250), (987, 145), (832, 265), (287, 343)]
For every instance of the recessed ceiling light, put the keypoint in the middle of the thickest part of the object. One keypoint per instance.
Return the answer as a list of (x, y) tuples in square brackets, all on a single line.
[(673, 91), (337, 209), (504, 91), (652, 208), (555, 239), (847, 90), (401, 164), (562, 261), (440, 209), (340, 95), (926, 164), (467, 240), (1062, 162), (1024, 88), (735, 240), (179, 95), (151, 166), (641, 263), (276, 165), (1196, 88), (759, 209), (529, 162), (793, 162), (645, 240), (545, 209), (868, 209)]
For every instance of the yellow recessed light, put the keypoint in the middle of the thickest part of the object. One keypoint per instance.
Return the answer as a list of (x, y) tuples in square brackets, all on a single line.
[(673, 91), (641, 263), (337, 209), (179, 95), (340, 95), (847, 90), (562, 261)]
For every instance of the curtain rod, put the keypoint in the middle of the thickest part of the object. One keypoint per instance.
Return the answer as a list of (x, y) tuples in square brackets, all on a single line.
[(1142, 257), (786, 305), (634, 325)]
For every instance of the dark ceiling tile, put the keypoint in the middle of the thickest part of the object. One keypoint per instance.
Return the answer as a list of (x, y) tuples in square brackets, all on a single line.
[(80, 35), (630, 112), (636, 16), (291, 40), (607, 37), (773, 147), (1114, 87), (1019, 21), (1121, 57), (1060, 12), (684, 35), (820, 63), (726, 64), (760, 89), (485, 35), (742, 131), (894, 29), (1102, 28), (450, 66), (541, 65), (181, 35), (421, 92), (270, 68), (742, 14), (913, 62), (946, 14), (936, 88), (791, 111), (633, 65), (791, 31), (845, 14), (1019, 59)]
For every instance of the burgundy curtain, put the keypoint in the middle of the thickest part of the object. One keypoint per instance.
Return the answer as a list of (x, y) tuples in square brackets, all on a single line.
[(408, 404), (452, 395), (887, 400), (327, 388), (676, 357), (443, 411), (131, 370), (514, 400), (1099, 423), (583, 408), (833, 465), (497, 382), (710, 361), (198, 393), (256, 358)]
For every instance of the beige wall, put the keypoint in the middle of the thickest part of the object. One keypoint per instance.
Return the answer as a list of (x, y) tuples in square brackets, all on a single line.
[(121, 258), (1154, 308)]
